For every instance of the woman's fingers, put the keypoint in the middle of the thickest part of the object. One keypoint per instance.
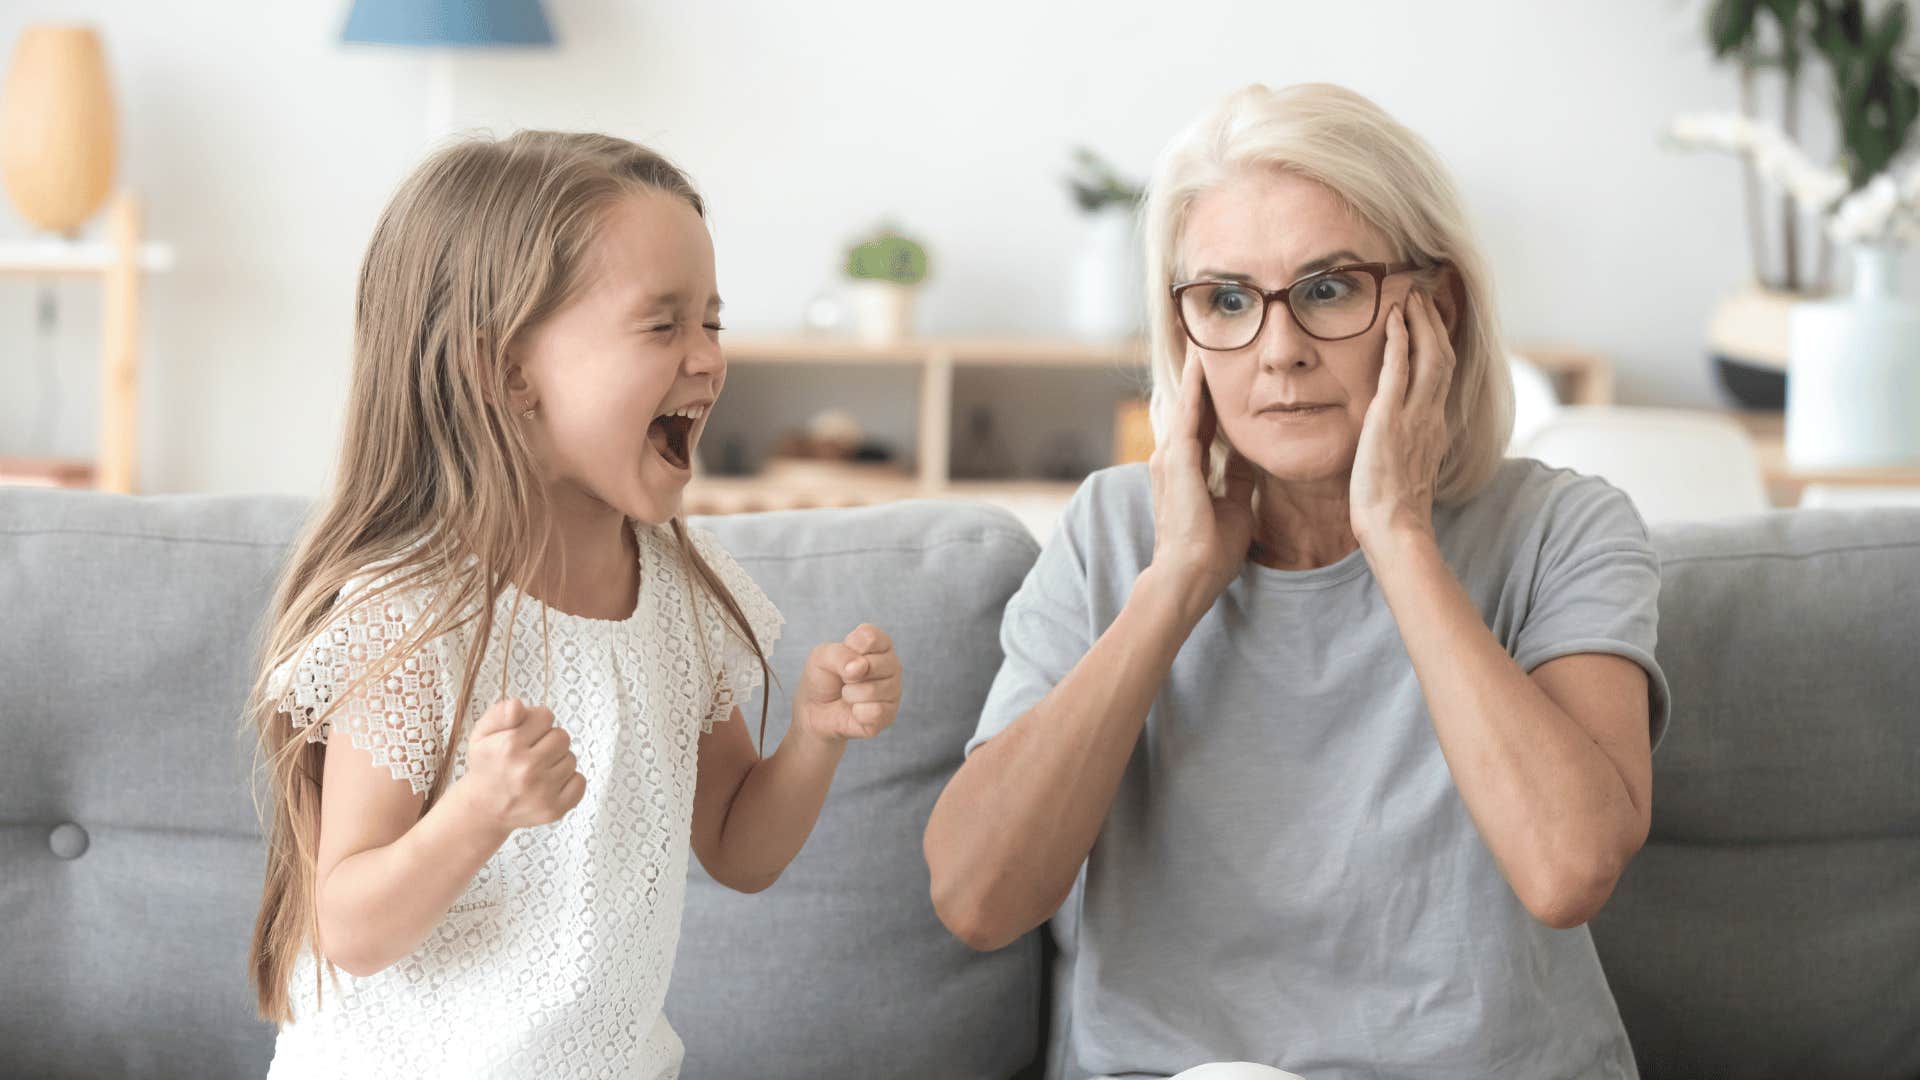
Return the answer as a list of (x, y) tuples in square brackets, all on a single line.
[(1431, 369), (1192, 379), (1393, 369), (1443, 354)]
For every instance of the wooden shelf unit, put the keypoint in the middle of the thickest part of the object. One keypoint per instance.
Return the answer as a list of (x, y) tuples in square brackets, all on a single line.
[(119, 261), (1580, 377)]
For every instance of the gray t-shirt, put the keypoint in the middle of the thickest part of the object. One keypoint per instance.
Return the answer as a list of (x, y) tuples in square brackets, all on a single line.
[(1288, 874)]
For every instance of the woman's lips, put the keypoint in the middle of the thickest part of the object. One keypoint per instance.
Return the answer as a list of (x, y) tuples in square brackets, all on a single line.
[(1296, 412)]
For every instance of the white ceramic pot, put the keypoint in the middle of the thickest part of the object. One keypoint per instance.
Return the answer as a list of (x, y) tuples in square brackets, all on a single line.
[(882, 310), (1104, 298), (1854, 397)]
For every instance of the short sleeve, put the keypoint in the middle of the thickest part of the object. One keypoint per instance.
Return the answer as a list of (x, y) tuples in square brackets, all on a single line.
[(739, 672), (396, 717), (1046, 627), (1596, 589)]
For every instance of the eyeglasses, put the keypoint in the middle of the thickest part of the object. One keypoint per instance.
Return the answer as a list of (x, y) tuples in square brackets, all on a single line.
[(1334, 304)]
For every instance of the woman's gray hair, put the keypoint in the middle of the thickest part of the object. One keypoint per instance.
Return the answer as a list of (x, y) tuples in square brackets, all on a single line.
[(1393, 181)]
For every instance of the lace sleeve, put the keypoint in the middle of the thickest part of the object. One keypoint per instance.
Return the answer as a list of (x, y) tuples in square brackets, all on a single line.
[(739, 669), (395, 717)]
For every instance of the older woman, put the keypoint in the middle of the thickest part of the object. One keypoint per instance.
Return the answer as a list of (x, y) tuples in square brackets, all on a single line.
[(1321, 736)]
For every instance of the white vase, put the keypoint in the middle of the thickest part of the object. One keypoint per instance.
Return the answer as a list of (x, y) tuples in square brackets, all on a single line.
[(1853, 399), (1104, 299), (882, 311)]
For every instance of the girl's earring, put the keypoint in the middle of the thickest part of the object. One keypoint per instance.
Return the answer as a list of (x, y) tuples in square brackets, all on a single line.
[(529, 413)]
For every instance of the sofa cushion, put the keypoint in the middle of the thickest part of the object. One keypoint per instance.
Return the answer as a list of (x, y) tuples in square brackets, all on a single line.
[(842, 967), (1771, 926)]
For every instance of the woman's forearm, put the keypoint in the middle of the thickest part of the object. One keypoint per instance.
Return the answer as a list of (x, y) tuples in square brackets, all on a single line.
[(1553, 808), (377, 906), (1008, 836), (774, 809)]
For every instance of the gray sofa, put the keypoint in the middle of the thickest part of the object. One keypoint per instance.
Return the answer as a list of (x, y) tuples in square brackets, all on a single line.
[(1770, 929)]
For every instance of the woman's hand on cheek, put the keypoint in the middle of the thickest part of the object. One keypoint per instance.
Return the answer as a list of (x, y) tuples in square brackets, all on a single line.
[(1199, 539), (1404, 436)]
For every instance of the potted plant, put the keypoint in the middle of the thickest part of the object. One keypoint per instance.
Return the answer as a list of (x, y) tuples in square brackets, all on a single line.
[(1104, 301), (1785, 193), (1854, 395), (886, 269)]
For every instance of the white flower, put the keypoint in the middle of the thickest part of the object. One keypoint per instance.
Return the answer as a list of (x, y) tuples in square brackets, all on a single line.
[(1873, 213), (1886, 208), (1775, 157)]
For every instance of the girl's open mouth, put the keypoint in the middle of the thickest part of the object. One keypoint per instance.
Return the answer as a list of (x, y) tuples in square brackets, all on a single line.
[(671, 435)]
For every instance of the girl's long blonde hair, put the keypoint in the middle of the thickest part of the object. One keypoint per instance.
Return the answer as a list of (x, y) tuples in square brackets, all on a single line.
[(437, 484), (1393, 181)]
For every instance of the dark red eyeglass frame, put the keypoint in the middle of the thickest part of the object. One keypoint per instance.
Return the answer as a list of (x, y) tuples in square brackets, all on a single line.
[(1378, 270)]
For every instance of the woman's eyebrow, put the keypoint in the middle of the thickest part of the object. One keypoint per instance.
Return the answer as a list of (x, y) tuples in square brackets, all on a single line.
[(1313, 266), (1324, 261)]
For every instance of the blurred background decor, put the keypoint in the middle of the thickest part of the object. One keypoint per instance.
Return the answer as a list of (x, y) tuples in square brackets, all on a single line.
[(57, 127), (1863, 74), (252, 129), (884, 273), (59, 151), (441, 26), (1106, 301)]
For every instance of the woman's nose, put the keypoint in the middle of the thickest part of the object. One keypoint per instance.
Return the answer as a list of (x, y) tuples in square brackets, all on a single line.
[(1282, 345)]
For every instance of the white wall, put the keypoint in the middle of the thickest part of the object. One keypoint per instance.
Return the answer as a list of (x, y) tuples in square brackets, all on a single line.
[(265, 150)]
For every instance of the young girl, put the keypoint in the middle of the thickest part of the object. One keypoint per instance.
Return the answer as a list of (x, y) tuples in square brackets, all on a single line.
[(501, 692)]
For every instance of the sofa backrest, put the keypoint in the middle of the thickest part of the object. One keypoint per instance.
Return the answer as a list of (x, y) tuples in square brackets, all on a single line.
[(842, 969), (130, 860), (1771, 926)]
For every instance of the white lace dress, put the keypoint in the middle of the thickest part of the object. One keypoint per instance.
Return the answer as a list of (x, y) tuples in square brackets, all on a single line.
[(554, 962)]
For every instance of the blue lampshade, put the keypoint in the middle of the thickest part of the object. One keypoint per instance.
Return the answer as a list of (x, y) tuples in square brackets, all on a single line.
[(448, 22)]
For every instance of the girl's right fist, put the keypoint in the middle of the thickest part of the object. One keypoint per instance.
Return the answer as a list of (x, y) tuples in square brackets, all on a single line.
[(521, 770)]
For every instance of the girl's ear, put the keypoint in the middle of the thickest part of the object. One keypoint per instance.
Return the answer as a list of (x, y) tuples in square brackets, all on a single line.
[(520, 391)]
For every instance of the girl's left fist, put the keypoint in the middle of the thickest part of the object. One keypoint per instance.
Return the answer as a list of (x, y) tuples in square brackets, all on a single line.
[(851, 688)]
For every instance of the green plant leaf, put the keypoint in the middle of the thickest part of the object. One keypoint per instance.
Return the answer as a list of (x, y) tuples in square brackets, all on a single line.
[(1730, 26)]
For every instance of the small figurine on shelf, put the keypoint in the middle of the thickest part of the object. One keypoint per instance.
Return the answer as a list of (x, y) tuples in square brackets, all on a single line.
[(979, 454), (1066, 458), (833, 451)]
